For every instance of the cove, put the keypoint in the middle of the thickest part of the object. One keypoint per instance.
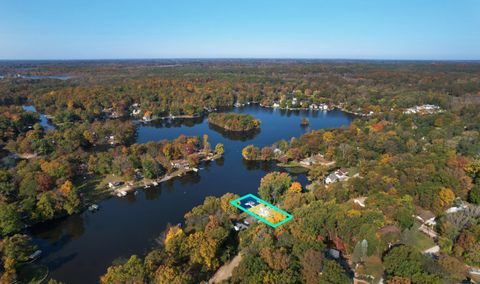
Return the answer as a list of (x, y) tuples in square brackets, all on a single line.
[(79, 248)]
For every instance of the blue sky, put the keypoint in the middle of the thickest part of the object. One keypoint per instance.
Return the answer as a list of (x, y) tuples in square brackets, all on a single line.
[(356, 29)]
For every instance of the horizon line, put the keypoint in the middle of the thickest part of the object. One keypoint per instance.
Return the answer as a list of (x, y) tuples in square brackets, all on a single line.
[(242, 58)]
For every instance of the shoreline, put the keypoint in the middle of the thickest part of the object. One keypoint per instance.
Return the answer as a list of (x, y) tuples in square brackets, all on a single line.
[(108, 193), (146, 183)]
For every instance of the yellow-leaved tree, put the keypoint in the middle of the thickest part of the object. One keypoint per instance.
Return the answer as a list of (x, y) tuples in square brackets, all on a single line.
[(296, 187), (446, 196)]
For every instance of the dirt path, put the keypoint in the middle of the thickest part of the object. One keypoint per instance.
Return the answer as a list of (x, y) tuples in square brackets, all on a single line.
[(225, 272)]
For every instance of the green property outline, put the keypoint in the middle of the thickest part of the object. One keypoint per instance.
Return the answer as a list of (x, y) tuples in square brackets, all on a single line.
[(235, 201)]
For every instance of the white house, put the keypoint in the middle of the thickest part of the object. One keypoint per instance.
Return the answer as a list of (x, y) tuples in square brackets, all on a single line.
[(456, 209), (114, 184), (427, 108), (136, 112), (338, 175)]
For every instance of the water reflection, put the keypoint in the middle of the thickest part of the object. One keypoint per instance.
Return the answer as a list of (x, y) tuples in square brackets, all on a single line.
[(266, 166), (56, 230), (177, 122)]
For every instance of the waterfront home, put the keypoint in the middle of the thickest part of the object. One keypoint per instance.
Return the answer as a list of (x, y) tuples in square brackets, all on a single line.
[(314, 160), (180, 164), (338, 175), (113, 184), (136, 112), (147, 116)]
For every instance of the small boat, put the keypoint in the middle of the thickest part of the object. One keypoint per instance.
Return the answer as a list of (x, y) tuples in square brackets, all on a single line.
[(121, 193), (146, 186), (155, 183), (195, 169), (93, 207), (35, 255)]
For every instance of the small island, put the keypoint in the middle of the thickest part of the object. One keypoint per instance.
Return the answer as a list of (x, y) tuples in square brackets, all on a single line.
[(304, 122), (234, 121)]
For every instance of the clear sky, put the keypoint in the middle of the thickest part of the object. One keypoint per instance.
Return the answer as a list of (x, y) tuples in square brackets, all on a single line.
[(353, 29)]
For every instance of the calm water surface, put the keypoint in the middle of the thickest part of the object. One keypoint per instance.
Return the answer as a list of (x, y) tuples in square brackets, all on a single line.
[(79, 248)]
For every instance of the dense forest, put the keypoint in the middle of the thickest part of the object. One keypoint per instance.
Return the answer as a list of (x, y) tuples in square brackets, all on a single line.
[(233, 121), (370, 224)]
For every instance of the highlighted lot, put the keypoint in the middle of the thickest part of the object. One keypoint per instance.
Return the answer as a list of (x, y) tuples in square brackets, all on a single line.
[(262, 210)]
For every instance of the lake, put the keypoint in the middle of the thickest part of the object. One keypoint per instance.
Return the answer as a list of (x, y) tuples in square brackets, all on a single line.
[(79, 248)]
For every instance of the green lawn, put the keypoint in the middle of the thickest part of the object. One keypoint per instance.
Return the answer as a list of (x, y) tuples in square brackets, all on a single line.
[(94, 188)]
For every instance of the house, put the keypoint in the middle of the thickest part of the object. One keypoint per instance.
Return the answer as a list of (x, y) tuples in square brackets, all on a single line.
[(433, 251), (180, 164), (111, 139), (425, 216), (456, 209), (240, 226), (314, 160), (309, 161), (338, 175), (147, 116), (136, 112), (323, 106), (474, 271), (423, 109), (113, 184)]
